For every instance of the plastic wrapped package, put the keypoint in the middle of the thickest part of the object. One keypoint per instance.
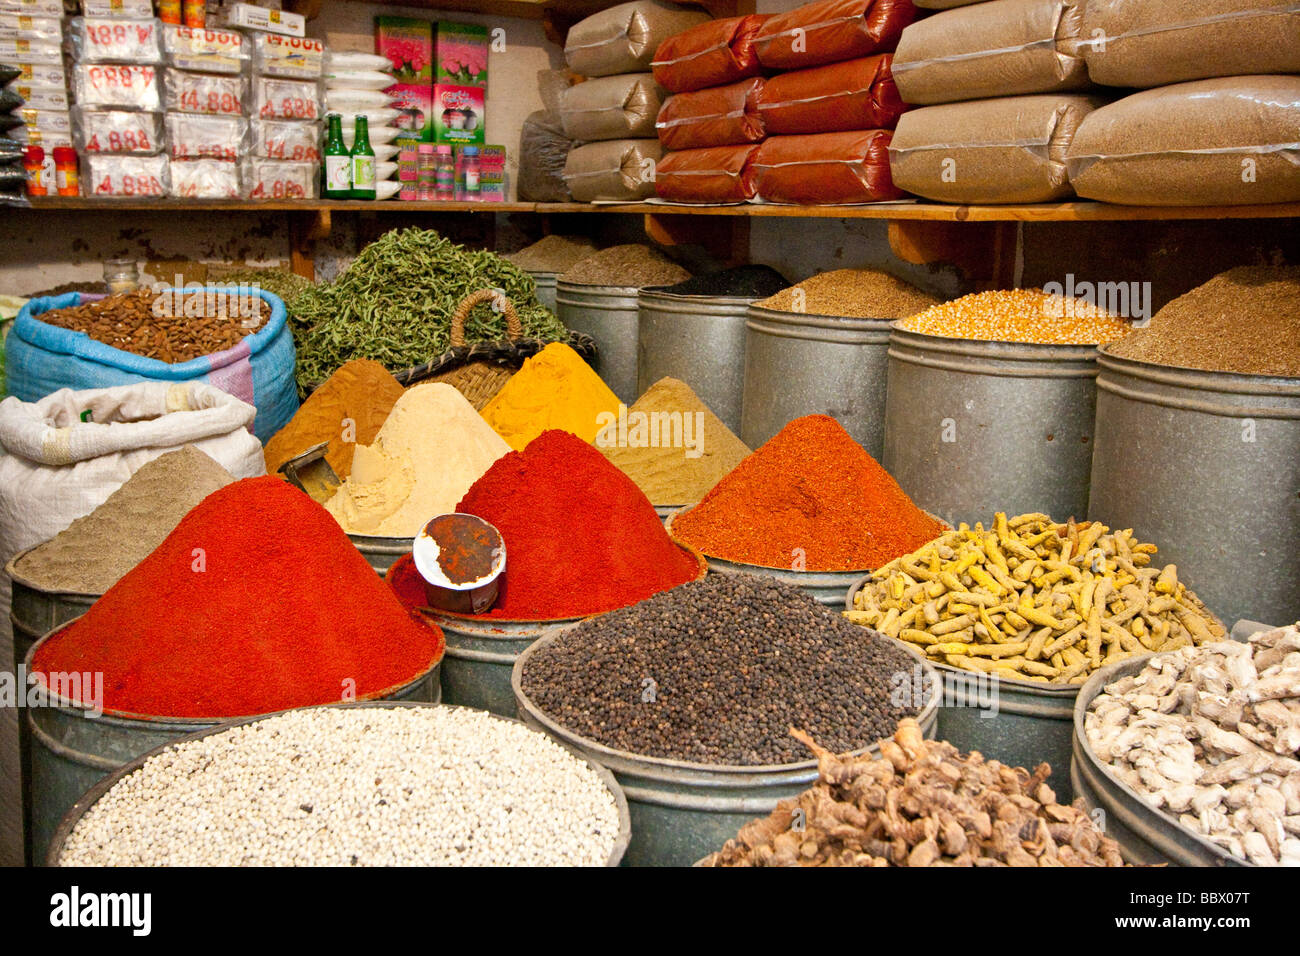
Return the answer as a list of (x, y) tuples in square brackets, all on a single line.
[(15, 50), (350, 102), (47, 128), (1160, 42), (293, 57), (207, 51), (616, 170), (342, 60), (205, 179), (131, 9), (722, 116), (46, 30), (611, 107), (712, 54), (1006, 150), (287, 140), (853, 94), (117, 131), (33, 8), (825, 168), (543, 149), (215, 94), (1219, 142), (125, 176), (831, 30), (717, 174), (1001, 48), (275, 98), (358, 80), (115, 40), (41, 97), (40, 74), (197, 136), (116, 86), (278, 179), (623, 39)]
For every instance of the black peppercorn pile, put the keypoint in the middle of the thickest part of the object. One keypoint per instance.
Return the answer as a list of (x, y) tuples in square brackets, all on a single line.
[(717, 672)]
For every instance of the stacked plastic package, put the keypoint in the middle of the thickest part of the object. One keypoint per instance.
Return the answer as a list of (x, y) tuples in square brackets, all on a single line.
[(355, 85), (613, 111), (205, 91), (815, 131), (285, 116), (34, 97)]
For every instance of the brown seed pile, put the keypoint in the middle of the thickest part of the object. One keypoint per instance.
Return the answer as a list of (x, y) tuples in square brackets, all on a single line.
[(552, 254), (163, 326), (1245, 320), (921, 803), (626, 267), (853, 293)]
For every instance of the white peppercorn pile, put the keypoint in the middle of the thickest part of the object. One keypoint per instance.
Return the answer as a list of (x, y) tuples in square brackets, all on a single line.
[(365, 786), (717, 672)]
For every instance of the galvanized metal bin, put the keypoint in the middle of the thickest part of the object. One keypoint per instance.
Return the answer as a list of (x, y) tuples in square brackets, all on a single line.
[(1207, 466), (973, 428), (71, 750), (545, 282), (1146, 836), (798, 364), (78, 810), (684, 811), (609, 315), (380, 553), (699, 339)]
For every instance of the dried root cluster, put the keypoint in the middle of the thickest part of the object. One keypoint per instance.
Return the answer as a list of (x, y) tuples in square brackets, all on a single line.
[(920, 804), (1033, 599), (1211, 735)]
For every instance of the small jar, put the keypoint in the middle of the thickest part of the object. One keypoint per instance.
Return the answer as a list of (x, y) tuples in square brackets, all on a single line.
[(65, 171), (34, 166), (194, 13), (122, 275), (427, 171)]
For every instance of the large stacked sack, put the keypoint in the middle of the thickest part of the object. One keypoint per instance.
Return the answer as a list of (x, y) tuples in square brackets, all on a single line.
[(1003, 87), (815, 131), (612, 112)]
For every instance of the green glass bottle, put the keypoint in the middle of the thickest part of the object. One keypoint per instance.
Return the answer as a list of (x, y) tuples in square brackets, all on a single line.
[(338, 163), (362, 161)]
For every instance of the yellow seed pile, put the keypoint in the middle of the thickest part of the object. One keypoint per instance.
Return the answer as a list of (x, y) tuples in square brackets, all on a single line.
[(1019, 315), (1033, 599)]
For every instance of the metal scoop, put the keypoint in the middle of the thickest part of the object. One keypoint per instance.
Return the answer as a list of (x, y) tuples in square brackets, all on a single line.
[(462, 559), (310, 472)]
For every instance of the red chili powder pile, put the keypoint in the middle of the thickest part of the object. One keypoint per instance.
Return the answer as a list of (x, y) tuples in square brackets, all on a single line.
[(581, 537), (256, 602), (809, 499)]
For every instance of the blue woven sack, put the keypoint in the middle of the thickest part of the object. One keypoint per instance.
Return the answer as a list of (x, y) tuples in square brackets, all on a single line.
[(43, 358)]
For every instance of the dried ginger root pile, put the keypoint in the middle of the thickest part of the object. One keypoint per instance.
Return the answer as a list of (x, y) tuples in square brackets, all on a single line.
[(1211, 736), (920, 804), (1034, 599)]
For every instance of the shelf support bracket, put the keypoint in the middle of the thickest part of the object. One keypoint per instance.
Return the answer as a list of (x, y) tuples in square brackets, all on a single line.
[(985, 252), (304, 229), (726, 238)]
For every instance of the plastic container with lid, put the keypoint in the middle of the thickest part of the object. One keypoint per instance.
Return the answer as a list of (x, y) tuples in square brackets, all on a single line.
[(427, 172), (34, 165), (470, 173), (66, 174), (445, 174)]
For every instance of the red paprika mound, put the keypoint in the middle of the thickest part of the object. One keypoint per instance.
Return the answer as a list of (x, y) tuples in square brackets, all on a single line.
[(810, 499), (256, 602), (581, 537)]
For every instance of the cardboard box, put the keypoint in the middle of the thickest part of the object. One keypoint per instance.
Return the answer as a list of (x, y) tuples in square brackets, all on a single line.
[(270, 21), (459, 114), (408, 45), (460, 54)]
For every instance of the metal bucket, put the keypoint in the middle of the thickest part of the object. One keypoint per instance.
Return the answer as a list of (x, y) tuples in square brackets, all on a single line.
[(482, 651), (1145, 835), (1020, 723), (70, 820), (699, 339), (545, 282), (71, 751), (1206, 465), (609, 315), (973, 428), (380, 553), (798, 364), (683, 811)]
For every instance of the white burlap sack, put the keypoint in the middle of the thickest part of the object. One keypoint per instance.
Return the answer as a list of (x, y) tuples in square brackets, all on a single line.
[(57, 467)]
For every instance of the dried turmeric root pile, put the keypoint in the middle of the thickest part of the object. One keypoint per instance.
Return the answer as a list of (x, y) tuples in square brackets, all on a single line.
[(921, 803), (1033, 599)]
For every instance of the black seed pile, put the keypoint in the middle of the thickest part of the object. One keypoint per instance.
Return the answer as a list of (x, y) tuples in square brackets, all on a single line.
[(742, 282), (717, 671)]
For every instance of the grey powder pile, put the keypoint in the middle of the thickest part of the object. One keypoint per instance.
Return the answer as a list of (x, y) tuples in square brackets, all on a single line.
[(90, 555), (552, 254), (717, 672), (626, 267)]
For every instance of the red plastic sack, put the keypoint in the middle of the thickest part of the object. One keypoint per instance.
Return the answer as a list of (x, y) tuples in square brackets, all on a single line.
[(857, 94), (831, 30), (722, 116), (826, 168), (713, 54), (715, 175)]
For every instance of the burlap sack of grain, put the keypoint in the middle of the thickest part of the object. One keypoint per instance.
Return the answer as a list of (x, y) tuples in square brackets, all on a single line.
[(720, 174), (827, 31), (1158, 42), (612, 107), (1222, 142), (722, 116), (543, 150), (713, 54), (1001, 48), (616, 170), (854, 94), (1008, 150), (623, 39)]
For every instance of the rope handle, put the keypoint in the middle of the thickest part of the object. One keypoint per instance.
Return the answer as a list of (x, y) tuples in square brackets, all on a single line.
[(514, 330)]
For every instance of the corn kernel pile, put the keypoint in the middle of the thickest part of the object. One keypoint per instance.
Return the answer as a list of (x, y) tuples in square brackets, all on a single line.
[(1019, 315), (1033, 599)]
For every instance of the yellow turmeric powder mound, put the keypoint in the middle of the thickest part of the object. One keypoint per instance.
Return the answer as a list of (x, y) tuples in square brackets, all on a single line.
[(346, 411), (554, 389)]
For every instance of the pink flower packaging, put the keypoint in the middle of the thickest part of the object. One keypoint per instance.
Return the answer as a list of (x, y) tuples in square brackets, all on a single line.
[(460, 54), (408, 45)]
